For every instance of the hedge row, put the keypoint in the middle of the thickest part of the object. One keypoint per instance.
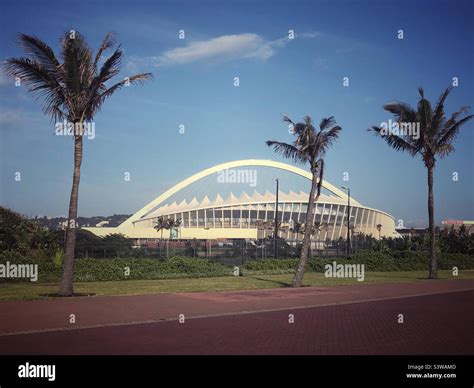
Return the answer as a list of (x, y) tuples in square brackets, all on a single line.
[(92, 270), (88, 270), (373, 261)]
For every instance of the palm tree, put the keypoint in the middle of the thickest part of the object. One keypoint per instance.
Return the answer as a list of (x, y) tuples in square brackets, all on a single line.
[(310, 147), (435, 139), (296, 228), (170, 224), (73, 90), (175, 224), (178, 222), (160, 224), (318, 226), (325, 228), (379, 228)]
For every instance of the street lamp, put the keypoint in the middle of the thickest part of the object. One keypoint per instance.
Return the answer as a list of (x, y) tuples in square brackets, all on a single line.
[(348, 219), (276, 223)]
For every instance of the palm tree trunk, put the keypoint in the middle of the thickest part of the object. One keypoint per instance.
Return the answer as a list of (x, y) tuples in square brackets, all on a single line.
[(161, 244), (67, 286), (433, 274), (298, 278)]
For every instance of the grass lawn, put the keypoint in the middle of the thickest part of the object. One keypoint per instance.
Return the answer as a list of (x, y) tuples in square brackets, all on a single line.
[(29, 291)]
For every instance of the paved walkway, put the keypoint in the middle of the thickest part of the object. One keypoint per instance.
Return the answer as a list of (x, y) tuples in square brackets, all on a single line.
[(433, 324), (54, 314)]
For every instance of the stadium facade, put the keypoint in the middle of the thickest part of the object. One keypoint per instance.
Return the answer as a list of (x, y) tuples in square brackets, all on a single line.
[(227, 211)]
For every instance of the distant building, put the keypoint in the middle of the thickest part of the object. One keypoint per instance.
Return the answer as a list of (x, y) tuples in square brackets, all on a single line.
[(214, 204), (101, 224), (455, 224), (411, 231), (62, 225)]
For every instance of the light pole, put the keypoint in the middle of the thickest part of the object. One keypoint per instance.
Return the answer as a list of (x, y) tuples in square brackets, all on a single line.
[(348, 219), (276, 224), (208, 245)]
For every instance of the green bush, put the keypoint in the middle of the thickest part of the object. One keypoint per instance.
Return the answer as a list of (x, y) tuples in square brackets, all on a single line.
[(271, 265), (373, 261), (90, 270), (412, 261), (11, 256), (58, 257)]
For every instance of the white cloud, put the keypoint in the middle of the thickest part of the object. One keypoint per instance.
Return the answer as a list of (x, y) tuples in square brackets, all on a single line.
[(310, 35), (222, 48)]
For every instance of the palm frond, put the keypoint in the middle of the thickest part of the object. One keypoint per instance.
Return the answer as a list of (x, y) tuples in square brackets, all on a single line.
[(39, 51), (107, 43), (287, 150), (451, 132), (421, 92), (77, 58), (438, 114), (403, 112), (308, 121), (297, 127), (30, 72), (425, 114), (333, 133), (326, 123), (41, 82), (455, 115), (445, 149), (325, 139), (396, 142), (108, 70), (286, 119), (138, 78)]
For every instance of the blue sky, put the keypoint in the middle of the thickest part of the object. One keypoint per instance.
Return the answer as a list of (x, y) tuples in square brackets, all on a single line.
[(137, 130)]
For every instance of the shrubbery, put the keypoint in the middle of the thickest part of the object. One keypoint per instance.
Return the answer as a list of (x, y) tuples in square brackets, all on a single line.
[(90, 270), (22, 236), (271, 265), (373, 261)]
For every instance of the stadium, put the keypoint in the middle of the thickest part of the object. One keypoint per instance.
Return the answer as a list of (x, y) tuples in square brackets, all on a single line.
[(236, 200)]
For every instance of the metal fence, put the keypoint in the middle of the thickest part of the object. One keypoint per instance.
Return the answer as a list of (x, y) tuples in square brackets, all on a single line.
[(227, 251), (237, 251)]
